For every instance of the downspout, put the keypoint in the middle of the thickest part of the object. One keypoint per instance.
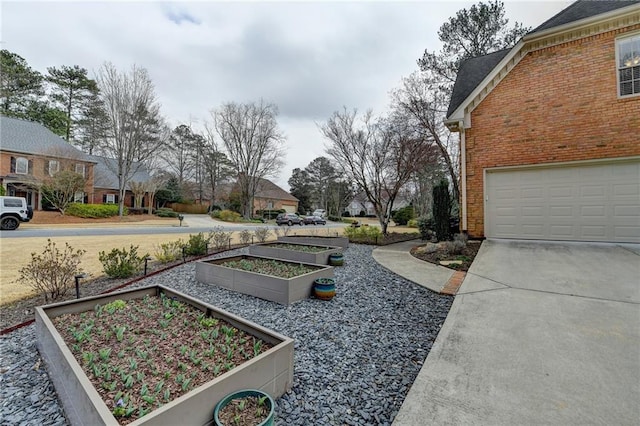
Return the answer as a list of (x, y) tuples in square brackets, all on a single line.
[(463, 177)]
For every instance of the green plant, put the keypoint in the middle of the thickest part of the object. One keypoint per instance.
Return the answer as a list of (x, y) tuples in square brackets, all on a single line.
[(197, 244), (92, 210), (114, 306), (165, 212), (402, 216), (425, 226), (261, 233), (52, 272), (413, 223), (363, 234), (169, 252), (441, 210), (120, 263), (229, 216)]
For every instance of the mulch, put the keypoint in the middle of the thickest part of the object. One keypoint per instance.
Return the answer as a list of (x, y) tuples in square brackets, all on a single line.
[(467, 256)]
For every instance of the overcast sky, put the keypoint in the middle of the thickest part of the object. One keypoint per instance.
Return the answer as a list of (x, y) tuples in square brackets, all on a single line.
[(309, 58)]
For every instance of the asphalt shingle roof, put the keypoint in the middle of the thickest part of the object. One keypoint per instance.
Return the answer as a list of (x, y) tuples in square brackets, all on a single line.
[(583, 9), (471, 73), (28, 137), (474, 70), (268, 189), (105, 176)]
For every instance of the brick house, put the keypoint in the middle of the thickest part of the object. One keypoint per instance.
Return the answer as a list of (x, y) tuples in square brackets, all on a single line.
[(106, 188), (550, 130), (30, 154), (270, 196)]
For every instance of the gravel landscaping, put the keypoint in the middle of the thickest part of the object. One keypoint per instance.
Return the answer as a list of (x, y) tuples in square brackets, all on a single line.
[(355, 356)]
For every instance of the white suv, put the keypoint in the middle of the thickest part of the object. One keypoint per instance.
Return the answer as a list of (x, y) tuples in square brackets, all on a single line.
[(14, 210)]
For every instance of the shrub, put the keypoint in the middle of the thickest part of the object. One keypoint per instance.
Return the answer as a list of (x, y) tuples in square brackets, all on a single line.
[(168, 252), (346, 214), (120, 263), (402, 216), (51, 273), (413, 223), (441, 209), (245, 236), (165, 212), (425, 226), (215, 214), (262, 233), (197, 244), (363, 234), (229, 216), (362, 213), (219, 237), (93, 210), (335, 218)]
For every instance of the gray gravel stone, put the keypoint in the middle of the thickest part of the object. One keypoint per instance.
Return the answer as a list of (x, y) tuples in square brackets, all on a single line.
[(356, 356)]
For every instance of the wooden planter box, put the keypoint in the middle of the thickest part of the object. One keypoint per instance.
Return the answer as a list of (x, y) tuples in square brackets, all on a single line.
[(268, 287), (271, 371), (318, 258), (316, 241)]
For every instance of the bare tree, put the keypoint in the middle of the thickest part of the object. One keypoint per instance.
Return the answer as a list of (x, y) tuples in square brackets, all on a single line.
[(65, 176), (136, 127), (424, 108), (379, 156), (217, 166), (253, 142), (152, 186)]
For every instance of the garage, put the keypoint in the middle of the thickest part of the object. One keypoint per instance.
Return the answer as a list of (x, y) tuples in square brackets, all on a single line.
[(569, 202)]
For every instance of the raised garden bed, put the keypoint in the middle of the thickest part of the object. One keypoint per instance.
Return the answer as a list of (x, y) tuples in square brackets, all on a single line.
[(317, 240), (296, 252), (168, 375), (270, 284)]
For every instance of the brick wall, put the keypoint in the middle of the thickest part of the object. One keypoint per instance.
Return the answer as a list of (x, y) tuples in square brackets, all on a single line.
[(558, 104)]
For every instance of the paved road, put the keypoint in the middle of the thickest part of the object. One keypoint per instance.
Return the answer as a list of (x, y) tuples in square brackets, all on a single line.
[(142, 230)]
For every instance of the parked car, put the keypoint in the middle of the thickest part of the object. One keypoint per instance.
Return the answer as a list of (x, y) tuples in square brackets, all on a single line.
[(289, 219), (14, 210), (320, 212), (314, 220)]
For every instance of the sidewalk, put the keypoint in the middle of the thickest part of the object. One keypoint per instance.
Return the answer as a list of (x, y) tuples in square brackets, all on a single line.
[(398, 259)]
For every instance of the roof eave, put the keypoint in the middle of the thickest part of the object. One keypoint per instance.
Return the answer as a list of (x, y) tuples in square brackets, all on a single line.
[(585, 22), (460, 114)]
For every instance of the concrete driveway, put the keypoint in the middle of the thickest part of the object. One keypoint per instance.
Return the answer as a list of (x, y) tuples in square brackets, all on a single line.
[(539, 333)]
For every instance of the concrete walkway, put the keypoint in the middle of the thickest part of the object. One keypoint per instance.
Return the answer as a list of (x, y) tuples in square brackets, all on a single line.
[(396, 258), (539, 333)]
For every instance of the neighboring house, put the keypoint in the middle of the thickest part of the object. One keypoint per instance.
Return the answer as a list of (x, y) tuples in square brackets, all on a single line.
[(270, 196), (360, 203), (106, 182), (30, 154), (550, 130)]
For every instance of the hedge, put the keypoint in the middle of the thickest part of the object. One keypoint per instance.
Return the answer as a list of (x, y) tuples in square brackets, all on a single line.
[(93, 210)]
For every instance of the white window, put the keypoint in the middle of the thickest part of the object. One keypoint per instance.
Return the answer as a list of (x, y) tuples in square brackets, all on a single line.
[(628, 58), (270, 205), (54, 167), (78, 197), (111, 198), (22, 166), (80, 169)]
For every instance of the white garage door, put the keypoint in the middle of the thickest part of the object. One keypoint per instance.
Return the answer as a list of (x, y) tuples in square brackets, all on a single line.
[(599, 202)]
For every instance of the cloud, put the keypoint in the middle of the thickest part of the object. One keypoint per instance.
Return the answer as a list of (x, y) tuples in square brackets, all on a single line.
[(309, 58), (180, 16)]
